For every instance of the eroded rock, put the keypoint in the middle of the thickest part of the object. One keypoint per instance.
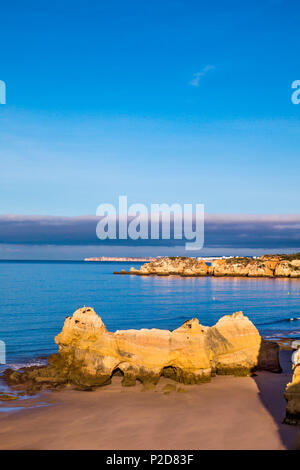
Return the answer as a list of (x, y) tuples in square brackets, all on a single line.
[(265, 266), (183, 266), (292, 393), (89, 355), (288, 269), (7, 397)]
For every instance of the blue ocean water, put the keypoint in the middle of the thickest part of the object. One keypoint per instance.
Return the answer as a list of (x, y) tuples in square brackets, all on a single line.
[(37, 296)]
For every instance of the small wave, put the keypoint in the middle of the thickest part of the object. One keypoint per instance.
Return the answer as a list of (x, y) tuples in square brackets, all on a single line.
[(11, 409), (21, 364), (282, 320), (281, 334)]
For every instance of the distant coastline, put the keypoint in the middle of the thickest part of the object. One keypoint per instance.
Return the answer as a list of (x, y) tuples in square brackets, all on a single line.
[(270, 266), (144, 259), (123, 259)]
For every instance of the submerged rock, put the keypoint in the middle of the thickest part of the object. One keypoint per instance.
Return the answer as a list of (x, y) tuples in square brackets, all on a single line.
[(89, 355), (6, 397)]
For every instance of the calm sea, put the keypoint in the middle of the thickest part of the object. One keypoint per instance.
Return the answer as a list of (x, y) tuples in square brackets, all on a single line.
[(37, 296)]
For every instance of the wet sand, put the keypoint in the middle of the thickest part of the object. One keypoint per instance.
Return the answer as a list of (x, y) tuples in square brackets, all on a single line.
[(228, 413)]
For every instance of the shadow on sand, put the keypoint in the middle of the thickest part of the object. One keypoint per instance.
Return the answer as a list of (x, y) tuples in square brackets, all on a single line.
[(271, 389)]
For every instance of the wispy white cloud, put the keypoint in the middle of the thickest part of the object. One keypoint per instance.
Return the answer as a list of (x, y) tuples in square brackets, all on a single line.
[(198, 75)]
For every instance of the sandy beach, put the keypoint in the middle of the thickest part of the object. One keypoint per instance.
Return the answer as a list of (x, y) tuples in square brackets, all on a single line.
[(228, 413)]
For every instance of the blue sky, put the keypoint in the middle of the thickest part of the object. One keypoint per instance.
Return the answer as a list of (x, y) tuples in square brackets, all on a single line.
[(163, 101)]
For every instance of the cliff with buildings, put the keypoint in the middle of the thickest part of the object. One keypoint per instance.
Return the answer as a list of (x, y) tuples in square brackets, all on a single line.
[(120, 258), (264, 266)]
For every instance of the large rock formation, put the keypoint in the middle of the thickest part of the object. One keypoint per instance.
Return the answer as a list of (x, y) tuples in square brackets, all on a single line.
[(173, 265), (292, 393), (89, 355), (242, 267), (265, 266), (222, 267), (288, 268)]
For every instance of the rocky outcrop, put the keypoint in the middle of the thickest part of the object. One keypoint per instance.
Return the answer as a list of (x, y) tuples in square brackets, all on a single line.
[(242, 267), (89, 355), (7, 397), (173, 265), (288, 269), (113, 259), (265, 266), (224, 268), (292, 393)]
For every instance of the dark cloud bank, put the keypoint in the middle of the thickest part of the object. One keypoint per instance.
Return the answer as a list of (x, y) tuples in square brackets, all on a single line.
[(221, 231)]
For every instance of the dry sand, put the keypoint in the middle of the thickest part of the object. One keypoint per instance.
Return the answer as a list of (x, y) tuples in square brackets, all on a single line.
[(228, 413)]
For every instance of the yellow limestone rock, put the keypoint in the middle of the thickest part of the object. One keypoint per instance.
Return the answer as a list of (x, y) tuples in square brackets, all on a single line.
[(242, 267), (288, 269), (292, 393), (222, 267), (265, 266), (89, 355), (182, 266), (237, 348)]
